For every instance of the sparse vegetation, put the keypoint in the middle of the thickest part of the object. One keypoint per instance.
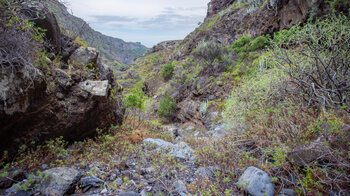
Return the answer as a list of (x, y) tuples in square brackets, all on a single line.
[(320, 67), (168, 70), (18, 37), (276, 110), (253, 102)]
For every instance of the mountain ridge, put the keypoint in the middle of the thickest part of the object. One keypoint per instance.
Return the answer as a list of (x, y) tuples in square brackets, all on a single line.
[(114, 51)]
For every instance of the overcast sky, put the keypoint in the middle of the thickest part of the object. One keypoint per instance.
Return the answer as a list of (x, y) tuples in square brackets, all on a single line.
[(145, 21)]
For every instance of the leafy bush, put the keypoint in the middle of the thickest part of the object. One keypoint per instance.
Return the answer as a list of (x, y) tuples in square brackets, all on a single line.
[(242, 44), (208, 51), (319, 69), (246, 44), (251, 97), (258, 43), (168, 70), (167, 107)]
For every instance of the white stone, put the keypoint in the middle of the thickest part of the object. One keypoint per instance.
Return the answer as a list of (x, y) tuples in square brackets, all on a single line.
[(97, 88)]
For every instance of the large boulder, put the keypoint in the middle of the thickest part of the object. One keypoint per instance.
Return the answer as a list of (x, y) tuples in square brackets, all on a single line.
[(90, 181), (256, 182), (84, 56), (18, 89), (35, 106), (59, 181), (158, 143), (182, 151), (52, 33)]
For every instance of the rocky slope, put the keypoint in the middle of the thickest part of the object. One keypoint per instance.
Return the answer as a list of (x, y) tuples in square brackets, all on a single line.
[(199, 75), (220, 77), (113, 51), (53, 97), (232, 120)]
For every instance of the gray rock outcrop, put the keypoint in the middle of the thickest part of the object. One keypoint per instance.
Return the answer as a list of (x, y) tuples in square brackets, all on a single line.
[(256, 182), (84, 56), (59, 181), (181, 150)]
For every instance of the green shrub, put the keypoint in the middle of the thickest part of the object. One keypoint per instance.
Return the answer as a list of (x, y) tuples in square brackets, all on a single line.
[(241, 44), (251, 97), (167, 107), (246, 44), (258, 43), (208, 51), (319, 69), (168, 70)]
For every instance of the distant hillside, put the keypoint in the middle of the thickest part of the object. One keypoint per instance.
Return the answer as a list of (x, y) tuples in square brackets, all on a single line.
[(113, 50)]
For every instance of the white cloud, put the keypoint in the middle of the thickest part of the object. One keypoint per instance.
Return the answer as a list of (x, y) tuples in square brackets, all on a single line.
[(149, 21)]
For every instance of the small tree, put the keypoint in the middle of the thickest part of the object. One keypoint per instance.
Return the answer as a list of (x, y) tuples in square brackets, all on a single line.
[(167, 107), (134, 102)]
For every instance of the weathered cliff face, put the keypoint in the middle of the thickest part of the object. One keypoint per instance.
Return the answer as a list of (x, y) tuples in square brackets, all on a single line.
[(215, 6), (70, 99), (228, 20)]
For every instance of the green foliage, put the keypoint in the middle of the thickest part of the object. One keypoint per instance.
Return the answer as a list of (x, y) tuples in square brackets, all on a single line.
[(273, 105), (168, 70), (135, 98), (82, 43), (167, 107), (319, 67), (134, 102), (242, 43), (208, 51), (251, 96), (26, 40), (246, 44), (258, 43), (336, 3)]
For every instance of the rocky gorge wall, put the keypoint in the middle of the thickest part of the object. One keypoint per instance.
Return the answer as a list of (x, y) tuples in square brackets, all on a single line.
[(70, 94), (226, 21)]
